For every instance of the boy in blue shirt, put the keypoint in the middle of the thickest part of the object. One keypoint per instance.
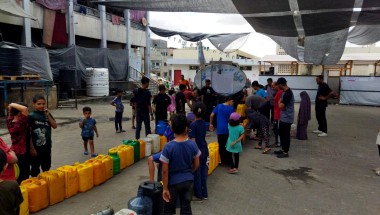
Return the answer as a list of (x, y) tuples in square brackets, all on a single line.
[(198, 134), (119, 110), (180, 158), (88, 126)]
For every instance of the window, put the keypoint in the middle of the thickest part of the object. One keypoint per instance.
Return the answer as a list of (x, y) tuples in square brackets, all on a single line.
[(193, 67), (246, 68), (158, 74), (164, 63), (283, 68), (165, 74)]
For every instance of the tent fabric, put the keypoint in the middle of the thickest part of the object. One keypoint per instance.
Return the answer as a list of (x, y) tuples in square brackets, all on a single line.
[(227, 42), (82, 58), (36, 61), (314, 24), (54, 4), (10, 7), (360, 90)]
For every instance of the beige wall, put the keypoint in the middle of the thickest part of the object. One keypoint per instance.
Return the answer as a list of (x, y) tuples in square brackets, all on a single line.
[(14, 95)]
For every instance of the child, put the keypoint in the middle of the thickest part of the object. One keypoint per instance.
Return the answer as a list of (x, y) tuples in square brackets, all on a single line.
[(119, 111), (11, 159), (377, 170), (198, 134), (171, 108), (88, 126), (260, 122), (234, 147), (132, 103), (152, 161), (11, 197), (18, 127), (222, 112), (180, 158), (41, 122)]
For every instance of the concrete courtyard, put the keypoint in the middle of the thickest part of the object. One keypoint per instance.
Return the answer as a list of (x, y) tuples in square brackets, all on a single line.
[(323, 175)]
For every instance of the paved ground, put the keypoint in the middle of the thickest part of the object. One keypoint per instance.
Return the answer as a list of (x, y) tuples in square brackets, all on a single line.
[(331, 175)]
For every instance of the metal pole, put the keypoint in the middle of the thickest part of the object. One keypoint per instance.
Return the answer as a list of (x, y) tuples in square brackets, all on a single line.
[(27, 30), (103, 26), (147, 48), (70, 17), (127, 22)]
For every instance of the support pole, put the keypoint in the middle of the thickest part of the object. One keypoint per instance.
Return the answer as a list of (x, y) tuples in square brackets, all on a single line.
[(103, 26), (27, 29), (127, 22), (70, 21), (147, 48)]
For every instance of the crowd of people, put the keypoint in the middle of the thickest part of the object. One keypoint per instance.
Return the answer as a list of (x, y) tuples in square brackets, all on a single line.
[(183, 160)]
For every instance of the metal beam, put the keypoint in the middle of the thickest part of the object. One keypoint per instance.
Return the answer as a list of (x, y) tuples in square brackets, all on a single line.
[(27, 29)]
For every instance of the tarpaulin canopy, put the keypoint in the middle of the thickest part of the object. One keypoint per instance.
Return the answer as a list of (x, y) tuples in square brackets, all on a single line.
[(10, 7), (313, 31), (227, 42)]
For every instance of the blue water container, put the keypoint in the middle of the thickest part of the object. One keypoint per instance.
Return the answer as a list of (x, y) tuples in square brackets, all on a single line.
[(160, 127), (141, 204)]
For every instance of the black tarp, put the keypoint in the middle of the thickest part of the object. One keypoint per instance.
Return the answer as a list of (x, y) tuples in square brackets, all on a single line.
[(82, 58)]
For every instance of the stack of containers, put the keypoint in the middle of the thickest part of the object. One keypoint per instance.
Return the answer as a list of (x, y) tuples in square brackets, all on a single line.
[(108, 162), (38, 195), (56, 185), (71, 180), (156, 142), (113, 153), (99, 169), (130, 157), (136, 148), (142, 148), (85, 177), (240, 109), (24, 206)]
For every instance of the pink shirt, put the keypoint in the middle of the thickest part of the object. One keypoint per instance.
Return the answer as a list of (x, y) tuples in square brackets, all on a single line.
[(9, 172)]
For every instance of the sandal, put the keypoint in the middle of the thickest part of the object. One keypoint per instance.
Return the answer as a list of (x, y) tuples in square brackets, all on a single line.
[(265, 151)]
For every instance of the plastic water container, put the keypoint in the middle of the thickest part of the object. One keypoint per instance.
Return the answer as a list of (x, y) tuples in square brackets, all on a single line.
[(160, 127), (142, 148), (141, 204), (148, 146), (240, 109), (38, 195), (122, 155), (99, 170), (154, 191), (108, 162), (71, 180), (97, 81), (129, 154), (116, 160), (155, 143), (136, 148), (190, 116), (126, 212), (86, 177), (56, 183), (24, 206), (162, 142)]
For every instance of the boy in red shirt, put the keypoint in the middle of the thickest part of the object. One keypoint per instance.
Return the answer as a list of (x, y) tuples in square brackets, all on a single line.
[(9, 172), (277, 111)]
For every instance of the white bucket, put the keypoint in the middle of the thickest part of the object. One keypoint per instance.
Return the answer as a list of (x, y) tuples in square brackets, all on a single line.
[(156, 142), (97, 81), (126, 212), (148, 146)]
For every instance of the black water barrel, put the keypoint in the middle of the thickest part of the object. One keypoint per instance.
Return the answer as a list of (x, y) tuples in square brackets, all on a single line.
[(10, 59)]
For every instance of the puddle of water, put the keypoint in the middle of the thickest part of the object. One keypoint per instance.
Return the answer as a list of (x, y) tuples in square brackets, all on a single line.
[(301, 174)]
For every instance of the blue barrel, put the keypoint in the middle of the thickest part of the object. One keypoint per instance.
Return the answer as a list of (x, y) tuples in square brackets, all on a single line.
[(141, 204), (161, 127)]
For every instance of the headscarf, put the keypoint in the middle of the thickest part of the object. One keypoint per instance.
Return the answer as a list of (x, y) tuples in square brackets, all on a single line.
[(304, 113)]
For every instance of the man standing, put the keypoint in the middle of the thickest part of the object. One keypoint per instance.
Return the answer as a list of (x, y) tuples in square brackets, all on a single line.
[(184, 82), (143, 108), (208, 97), (180, 100), (161, 102), (324, 92), (286, 106)]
